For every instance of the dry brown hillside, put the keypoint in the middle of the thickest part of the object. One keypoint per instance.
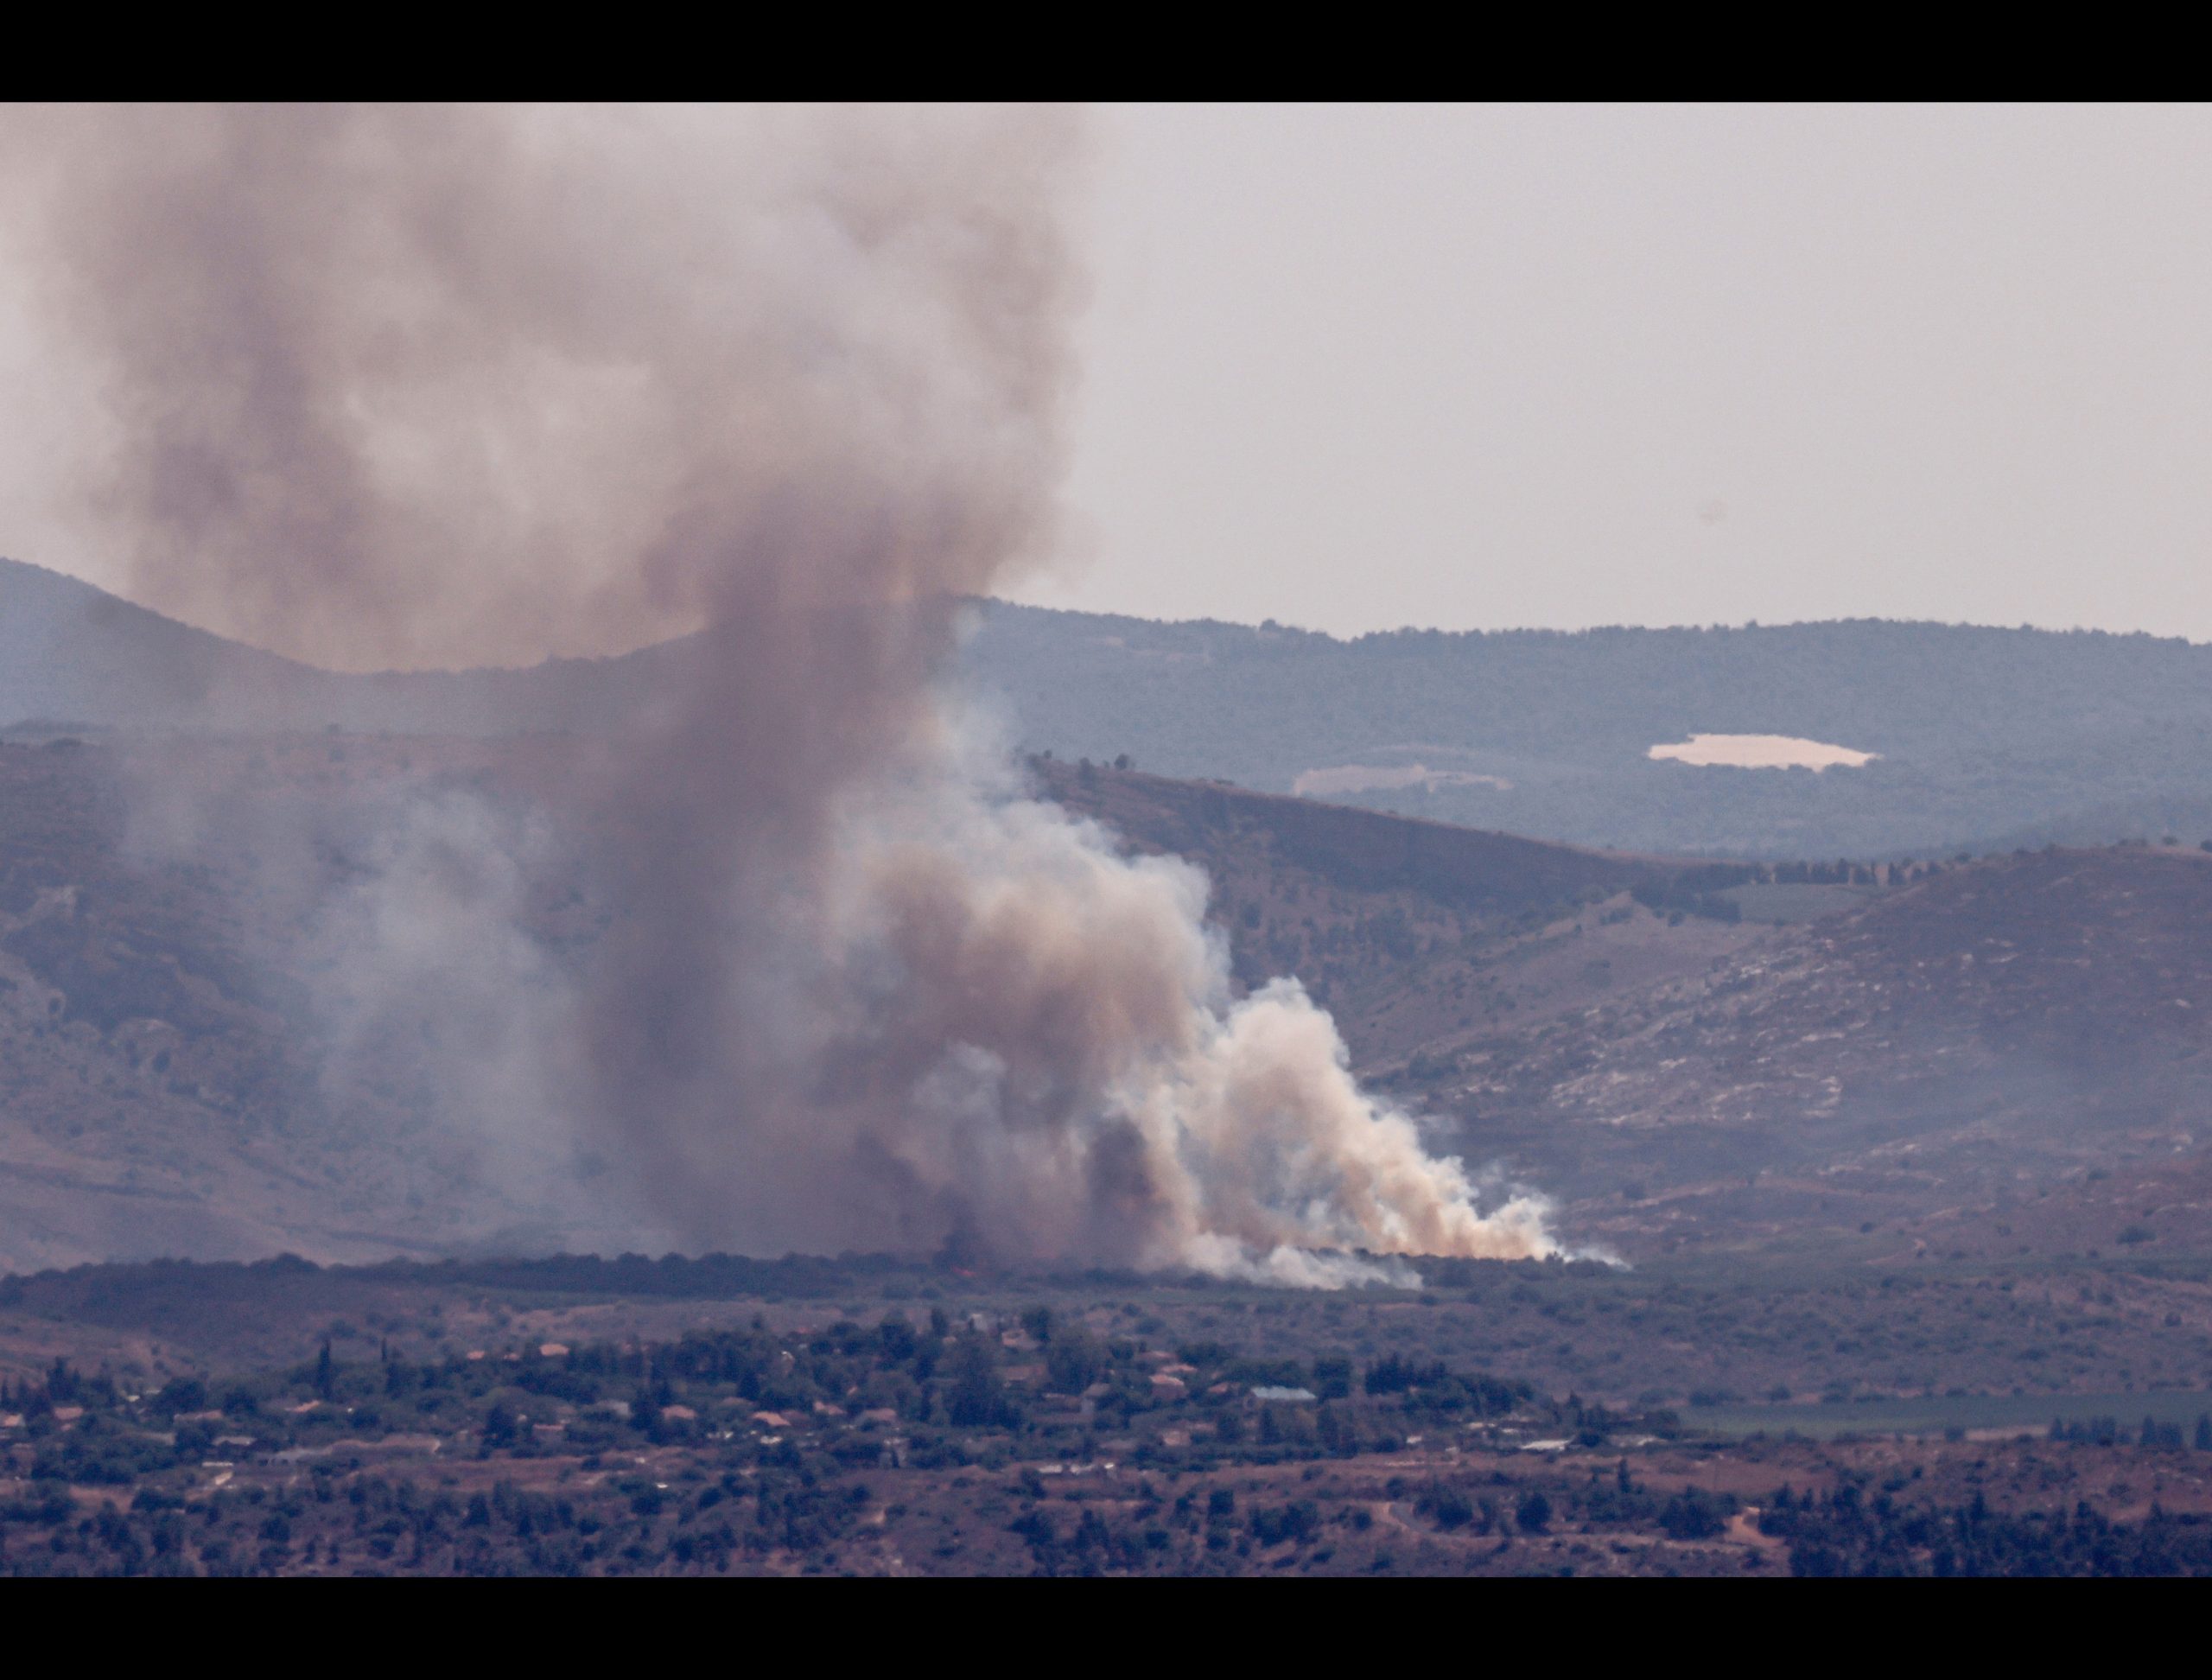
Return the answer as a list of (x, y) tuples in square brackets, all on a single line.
[(2009, 1053)]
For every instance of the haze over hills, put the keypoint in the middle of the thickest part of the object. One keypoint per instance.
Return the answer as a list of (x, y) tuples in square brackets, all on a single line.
[(1676, 1065), (2025, 734), (1985, 737)]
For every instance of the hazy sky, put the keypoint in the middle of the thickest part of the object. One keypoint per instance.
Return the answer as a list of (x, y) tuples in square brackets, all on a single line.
[(1353, 368), (1359, 368)]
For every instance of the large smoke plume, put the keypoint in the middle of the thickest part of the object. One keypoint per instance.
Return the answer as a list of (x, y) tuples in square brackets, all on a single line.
[(400, 386)]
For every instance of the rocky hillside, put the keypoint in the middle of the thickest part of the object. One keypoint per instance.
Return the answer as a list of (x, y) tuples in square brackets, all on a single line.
[(2011, 1051), (172, 1081), (2013, 1055)]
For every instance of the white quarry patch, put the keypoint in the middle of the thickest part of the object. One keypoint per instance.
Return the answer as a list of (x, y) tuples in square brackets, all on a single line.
[(1762, 752)]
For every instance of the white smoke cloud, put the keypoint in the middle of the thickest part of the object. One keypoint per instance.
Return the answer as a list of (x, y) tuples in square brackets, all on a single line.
[(1080, 1079), (429, 984)]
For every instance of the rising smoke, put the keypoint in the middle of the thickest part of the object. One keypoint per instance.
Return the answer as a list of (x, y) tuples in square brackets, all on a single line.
[(398, 387)]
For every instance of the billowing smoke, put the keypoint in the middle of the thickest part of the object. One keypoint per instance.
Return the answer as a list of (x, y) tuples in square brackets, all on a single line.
[(398, 386)]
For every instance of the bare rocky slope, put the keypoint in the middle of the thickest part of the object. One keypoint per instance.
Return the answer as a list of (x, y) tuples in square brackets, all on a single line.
[(2009, 1053)]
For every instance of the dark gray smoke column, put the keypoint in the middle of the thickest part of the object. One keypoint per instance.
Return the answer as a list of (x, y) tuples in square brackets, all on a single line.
[(406, 385)]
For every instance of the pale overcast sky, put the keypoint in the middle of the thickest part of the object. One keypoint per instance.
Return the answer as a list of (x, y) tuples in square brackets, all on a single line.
[(1355, 368), (1359, 368)]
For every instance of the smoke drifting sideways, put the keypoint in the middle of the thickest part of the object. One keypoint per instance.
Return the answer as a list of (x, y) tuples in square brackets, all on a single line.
[(398, 386)]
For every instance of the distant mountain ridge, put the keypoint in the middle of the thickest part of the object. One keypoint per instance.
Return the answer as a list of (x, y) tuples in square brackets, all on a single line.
[(71, 652), (1984, 734), (2031, 735)]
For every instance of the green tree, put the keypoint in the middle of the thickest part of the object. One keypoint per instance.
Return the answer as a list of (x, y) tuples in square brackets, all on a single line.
[(500, 1427), (1073, 1361), (972, 1401)]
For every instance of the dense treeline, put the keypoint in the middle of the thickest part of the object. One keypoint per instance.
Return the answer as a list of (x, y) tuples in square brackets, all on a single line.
[(1846, 1533)]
